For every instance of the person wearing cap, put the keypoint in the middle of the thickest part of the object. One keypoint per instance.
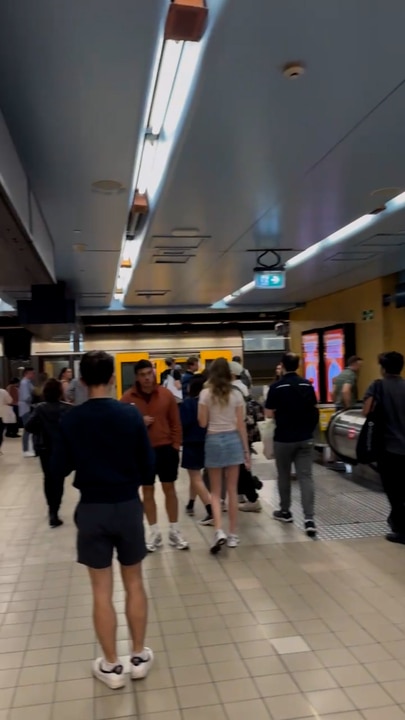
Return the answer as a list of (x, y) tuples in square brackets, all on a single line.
[(236, 372)]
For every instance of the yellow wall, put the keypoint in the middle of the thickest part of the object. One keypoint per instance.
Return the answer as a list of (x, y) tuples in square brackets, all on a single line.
[(384, 332)]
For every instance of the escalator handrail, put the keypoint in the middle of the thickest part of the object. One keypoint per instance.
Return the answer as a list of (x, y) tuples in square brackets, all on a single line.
[(344, 458), (328, 434)]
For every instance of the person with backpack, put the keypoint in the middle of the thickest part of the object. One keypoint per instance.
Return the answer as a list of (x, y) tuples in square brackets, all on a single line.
[(44, 424), (245, 375), (292, 403)]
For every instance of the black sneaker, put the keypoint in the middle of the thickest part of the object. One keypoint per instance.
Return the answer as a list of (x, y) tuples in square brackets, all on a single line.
[(55, 521), (207, 520), (283, 516), (310, 528), (395, 538)]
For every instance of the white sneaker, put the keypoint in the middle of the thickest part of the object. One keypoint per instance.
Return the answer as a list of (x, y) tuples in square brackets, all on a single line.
[(232, 541), (114, 679), (155, 541), (255, 507), (220, 539), (141, 667), (177, 540), (28, 453)]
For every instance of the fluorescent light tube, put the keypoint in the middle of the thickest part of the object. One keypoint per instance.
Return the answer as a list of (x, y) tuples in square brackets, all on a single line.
[(166, 77), (147, 164), (343, 233)]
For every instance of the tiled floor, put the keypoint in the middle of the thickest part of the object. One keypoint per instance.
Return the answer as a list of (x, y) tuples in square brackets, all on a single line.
[(281, 628)]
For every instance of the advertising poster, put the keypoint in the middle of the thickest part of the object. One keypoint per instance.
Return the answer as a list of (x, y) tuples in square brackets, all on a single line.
[(310, 354), (334, 354)]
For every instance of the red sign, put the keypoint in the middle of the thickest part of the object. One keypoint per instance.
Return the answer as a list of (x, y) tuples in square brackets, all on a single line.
[(334, 353), (310, 355)]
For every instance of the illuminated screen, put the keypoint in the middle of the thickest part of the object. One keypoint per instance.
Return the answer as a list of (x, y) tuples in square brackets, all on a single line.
[(334, 354), (310, 354)]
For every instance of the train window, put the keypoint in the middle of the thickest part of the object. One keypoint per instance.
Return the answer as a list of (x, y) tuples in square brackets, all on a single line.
[(127, 375)]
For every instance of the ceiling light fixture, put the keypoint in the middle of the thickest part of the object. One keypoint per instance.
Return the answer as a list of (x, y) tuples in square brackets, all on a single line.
[(167, 74), (175, 74)]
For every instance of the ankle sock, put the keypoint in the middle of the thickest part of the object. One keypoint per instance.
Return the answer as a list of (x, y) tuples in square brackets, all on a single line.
[(190, 504), (174, 526), (107, 666), (154, 528), (144, 655), (208, 509)]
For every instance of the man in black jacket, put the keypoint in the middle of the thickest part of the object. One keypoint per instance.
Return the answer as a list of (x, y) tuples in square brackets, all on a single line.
[(292, 403)]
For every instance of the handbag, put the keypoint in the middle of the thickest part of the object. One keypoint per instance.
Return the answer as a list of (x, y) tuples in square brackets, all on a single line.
[(9, 416), (266, 429), (370, 443)]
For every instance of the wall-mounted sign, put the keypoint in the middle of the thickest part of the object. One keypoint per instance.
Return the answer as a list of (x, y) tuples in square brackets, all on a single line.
[(270, 279)]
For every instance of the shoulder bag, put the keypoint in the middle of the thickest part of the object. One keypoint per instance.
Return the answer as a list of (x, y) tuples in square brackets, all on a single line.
[(370, 443)]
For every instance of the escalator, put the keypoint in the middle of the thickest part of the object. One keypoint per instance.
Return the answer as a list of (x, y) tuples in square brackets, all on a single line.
[(342, 435)]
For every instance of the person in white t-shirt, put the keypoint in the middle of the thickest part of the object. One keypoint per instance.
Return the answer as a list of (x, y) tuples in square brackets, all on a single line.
[(221, 410)]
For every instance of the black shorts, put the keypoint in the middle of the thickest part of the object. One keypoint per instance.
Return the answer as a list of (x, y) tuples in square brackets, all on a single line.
[(166, 465), (105, 527)]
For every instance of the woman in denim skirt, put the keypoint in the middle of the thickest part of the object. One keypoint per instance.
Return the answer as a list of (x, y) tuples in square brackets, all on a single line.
[(221, 411)]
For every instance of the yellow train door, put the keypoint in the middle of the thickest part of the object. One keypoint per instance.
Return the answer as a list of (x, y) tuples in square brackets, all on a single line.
[(124, 370), (208, 356)]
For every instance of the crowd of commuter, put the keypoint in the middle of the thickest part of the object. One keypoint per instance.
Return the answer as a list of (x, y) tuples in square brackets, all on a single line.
[(208, 418)]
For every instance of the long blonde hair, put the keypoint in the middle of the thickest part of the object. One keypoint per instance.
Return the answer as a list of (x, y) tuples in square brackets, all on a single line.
[(220, 381)]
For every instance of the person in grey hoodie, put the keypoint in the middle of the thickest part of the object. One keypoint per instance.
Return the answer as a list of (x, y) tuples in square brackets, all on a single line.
[(43, 423)]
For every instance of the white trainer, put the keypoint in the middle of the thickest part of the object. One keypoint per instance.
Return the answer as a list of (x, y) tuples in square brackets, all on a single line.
[(155, 541), (28, 454), (140, 666), (220, 539), (177, 540), (114, 679), (232, 541), (254, 507)]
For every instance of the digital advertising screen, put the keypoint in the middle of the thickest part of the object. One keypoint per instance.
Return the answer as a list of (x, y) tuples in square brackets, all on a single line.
[(334, 351), (310, 356)]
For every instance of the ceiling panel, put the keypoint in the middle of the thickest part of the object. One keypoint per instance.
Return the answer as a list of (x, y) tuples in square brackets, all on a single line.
[(73, 87), (265, 162)]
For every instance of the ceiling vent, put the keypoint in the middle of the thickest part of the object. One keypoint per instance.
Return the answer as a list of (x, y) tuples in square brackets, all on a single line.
[(167, 242), (138, 214), (152, 293), (93, 295), (351, 257), (186, 20), (382, 241)]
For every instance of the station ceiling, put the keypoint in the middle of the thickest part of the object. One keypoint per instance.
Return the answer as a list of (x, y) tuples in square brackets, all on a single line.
[(262, 162)]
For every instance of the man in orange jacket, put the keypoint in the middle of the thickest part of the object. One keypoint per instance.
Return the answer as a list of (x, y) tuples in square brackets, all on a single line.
[(161, 416)]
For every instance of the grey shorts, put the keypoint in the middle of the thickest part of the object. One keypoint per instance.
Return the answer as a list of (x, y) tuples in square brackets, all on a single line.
[(103, 528)]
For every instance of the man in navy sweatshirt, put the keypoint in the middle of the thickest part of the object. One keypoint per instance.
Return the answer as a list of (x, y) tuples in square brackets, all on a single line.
[(107, 444)]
